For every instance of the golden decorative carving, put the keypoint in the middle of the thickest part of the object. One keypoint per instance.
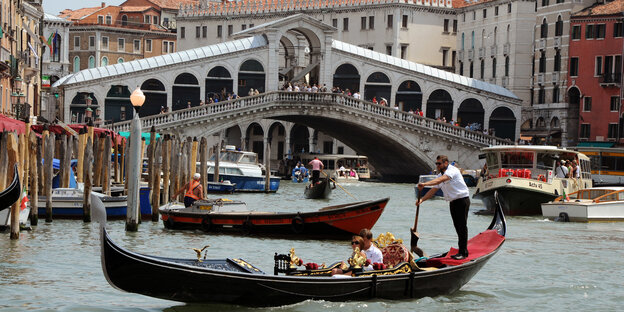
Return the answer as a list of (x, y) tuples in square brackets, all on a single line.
[(357, 260), (294, 260), (199, 251), (386, 239)]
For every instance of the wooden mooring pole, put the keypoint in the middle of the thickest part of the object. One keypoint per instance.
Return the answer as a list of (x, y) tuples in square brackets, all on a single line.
[(35, 148), (48, 159), (203, 166), (87, 175), (13, 157), (156, 180)]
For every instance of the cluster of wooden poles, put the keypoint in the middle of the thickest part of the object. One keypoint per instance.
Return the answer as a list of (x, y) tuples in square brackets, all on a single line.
[(171, 161)]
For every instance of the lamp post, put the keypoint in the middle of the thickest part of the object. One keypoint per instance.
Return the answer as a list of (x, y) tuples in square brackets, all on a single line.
[(137, 98)]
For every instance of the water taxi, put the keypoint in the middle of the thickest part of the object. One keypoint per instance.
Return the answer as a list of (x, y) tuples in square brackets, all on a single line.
[(242, 169), (524, 177), (607, 164), (593, 204), (342, 168)]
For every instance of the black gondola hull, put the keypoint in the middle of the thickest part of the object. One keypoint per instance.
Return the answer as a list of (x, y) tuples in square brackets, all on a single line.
[(318, 191), (12, 193)]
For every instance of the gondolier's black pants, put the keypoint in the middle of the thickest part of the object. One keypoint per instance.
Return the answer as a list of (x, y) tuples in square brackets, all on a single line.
[(315, 176), (459, 213)]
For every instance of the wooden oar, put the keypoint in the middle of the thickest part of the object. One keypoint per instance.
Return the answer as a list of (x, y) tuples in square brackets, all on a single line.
[(413, 231), (338, 184)]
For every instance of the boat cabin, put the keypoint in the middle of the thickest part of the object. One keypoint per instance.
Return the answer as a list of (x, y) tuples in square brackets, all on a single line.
[(530, 162), (333, 163), (231, 155)]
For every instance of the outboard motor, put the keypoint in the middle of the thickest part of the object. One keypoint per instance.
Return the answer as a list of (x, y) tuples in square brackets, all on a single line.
[(563, 217)]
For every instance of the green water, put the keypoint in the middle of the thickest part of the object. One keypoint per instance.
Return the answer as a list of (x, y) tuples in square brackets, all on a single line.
[(543, 265)]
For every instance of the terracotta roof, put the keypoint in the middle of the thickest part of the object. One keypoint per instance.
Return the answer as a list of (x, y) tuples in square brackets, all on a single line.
[(79, 13), (135, 8), (172, 4), (466, 3), (615, 7)]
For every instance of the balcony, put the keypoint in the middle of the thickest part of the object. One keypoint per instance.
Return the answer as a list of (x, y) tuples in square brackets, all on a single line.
[(481, 52), (460, 55), (555, 77), (558, 42), (507, 48), (541, 45), (610, 79), (471, 54), (505, 81), (493, 50), (540, 78)]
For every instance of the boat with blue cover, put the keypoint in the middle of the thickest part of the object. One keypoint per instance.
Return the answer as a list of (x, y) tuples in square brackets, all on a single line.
[(300, 175)]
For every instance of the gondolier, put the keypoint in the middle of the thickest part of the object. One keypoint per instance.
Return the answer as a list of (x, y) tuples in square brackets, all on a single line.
[(193, 189), (451, 181), (317, 166)]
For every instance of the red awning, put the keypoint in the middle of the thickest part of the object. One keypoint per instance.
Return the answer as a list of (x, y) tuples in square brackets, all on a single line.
[(10, 124), (77, 127)]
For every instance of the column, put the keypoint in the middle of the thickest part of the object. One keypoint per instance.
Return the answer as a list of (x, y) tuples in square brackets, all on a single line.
[(272, 61), (311, 147)]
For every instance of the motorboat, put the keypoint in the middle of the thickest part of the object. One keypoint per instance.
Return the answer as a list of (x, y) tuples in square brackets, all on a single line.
[(235, 281), (426, 178), (524, 177), (241, 168), (342, 168), (300, 175), (226, 215), (321, 190), (223, 187), (586, 205), (67, 203)]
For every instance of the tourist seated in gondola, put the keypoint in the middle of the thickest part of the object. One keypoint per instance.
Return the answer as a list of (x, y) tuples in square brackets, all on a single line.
[(357, 244), (370, 249)]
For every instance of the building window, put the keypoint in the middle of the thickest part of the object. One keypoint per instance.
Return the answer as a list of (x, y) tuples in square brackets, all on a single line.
[(230, 30), (544, 29), (496, 11), (137, 46), (484, 13), (617, 29), (560, 1), (474, 15), (345, 24), (403, 51), (598, 70), (91, 42), (120, 60), (124, 20), (104, 61), (171, 46), (559, 26), (197, 31), (482, 69), (121, 44), (146, 19), (389, 49), (244, 26), (555, 94), (600, 31), (205, 31), (335, 23), (155, 20), (507, 66), (574, 66), (446, 26), (165, 47), (76, 64), (363, 22), (471, 69), (404, 21), (576, 32), (587, 104), (494, 68), (104, 43), (541, 96), (557, 62), (461, 68), (251, 25), (542, 62), (219, 31), (109, 19), (589, 32), (148, 45), (371, 22), (76, 42), (545, 3), (100, 19), (454, 26), (585, 130), (182, 32), (444, 57), (615, 104), (508, 7), (464, 17), (390, 20), (613, 127), (91, 61)]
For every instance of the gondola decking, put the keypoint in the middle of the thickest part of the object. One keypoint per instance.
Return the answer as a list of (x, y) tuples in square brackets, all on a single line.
[(336, 221), (235, 281)]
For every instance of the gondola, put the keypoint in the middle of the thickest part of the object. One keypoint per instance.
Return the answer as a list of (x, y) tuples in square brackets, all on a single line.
[(320, 190), (235, 281), (338, 221), (12, 193)]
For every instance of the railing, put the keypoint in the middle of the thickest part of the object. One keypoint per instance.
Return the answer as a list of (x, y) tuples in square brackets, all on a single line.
[(460, 55), (540, 78), (555, 77), (278, 98), (506, 48), (542, 44), (471, 54), (557, 42), (611, 78), (493, 50), (481, 52)]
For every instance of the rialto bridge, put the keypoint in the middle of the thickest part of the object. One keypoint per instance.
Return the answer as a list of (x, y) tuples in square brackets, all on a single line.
[(300, 49)]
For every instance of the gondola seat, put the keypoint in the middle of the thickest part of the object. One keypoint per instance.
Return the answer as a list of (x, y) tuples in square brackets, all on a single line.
[(395, 253)]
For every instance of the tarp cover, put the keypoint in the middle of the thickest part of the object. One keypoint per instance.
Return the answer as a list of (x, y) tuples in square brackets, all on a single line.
[(145, 135), (478, 246), (10, 124)]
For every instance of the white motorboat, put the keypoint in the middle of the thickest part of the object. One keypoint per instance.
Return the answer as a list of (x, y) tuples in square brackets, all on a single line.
[(586, 205), (241, 168), (67, 203)]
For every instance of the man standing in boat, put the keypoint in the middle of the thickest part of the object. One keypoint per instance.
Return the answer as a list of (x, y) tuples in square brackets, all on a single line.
[(194, 191), (317, 166), (451, 181)]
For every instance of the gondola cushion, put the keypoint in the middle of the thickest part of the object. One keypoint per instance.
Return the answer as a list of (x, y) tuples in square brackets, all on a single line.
[(478, 246), (394, 254)]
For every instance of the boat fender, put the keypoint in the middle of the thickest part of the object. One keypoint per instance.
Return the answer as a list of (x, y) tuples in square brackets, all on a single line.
[(563, 217), (297, 224), (206, 224), (170, 223)]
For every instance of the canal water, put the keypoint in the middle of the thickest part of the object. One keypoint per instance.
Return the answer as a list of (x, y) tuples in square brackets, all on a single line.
[(542, 265)]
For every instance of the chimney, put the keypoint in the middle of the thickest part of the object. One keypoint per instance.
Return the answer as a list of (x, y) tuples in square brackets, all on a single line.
[(103, 4)]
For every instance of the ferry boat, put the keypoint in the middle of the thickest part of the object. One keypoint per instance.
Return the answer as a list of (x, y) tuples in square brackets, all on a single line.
[(593, 204), (524, 177), (242, 169), (342, 168), (607, 164)]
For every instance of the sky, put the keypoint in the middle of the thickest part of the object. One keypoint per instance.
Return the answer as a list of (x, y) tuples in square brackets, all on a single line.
[(55, 6)]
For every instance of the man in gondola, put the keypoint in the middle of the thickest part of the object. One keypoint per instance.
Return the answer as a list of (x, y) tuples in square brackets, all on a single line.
[(451, 181), (317, 166), (194, 191)]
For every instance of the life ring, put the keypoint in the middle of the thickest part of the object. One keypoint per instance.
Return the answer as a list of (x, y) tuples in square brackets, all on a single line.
[(297, 224), (169, 223), (206, 224)]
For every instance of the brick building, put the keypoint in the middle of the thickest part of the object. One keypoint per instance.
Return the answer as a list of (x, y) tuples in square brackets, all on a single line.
[(595, 70)]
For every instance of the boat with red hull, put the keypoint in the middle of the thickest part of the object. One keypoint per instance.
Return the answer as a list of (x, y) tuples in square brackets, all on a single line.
[(339, 220)]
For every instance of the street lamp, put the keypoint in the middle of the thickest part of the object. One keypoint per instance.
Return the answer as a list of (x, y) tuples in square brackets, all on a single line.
[(137, 98), (88, 111)]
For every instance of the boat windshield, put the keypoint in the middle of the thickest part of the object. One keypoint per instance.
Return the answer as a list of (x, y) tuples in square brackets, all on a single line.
[(229, 156), (249, 159), (426, 178), (517, 159)]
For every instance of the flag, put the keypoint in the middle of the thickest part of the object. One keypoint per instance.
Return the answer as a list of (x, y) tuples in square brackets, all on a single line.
[(24, 200), (50, 40), (565, 196)]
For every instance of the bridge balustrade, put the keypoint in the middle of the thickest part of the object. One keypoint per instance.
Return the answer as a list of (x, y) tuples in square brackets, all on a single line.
[(283, 97)]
